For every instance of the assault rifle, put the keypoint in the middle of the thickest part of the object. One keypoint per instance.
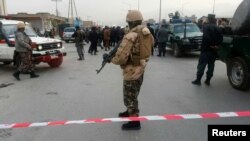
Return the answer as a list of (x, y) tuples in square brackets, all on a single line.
[(107, 57)]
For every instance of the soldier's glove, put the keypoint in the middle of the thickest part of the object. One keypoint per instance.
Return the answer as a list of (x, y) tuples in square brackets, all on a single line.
[(106, 57)]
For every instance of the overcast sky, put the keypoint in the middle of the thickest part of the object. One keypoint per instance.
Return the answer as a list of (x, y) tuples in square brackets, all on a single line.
[(113, 12)]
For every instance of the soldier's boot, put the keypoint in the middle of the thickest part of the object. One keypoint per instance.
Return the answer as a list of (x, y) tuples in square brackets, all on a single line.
[(207, 82), (33, 75), (197, 81), (16, 75), (124, 114), (132, 125)]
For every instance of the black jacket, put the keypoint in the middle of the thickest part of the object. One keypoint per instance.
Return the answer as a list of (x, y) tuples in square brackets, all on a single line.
[(162, 35), (93, 37), (212, 36)]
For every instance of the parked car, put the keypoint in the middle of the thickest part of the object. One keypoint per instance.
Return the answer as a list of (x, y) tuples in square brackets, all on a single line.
[(61, 29), (45, 50), (235, 52), (235, 48), (67, 34), (184, 36)]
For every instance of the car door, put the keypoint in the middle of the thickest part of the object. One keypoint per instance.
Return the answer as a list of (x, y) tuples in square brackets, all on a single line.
[(170, 35), (3, 47)]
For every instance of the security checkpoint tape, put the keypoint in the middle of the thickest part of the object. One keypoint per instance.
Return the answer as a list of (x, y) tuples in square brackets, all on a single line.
[(169, 117)]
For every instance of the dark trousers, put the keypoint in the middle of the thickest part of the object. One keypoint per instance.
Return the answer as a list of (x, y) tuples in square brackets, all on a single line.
[(93, 47), (162, 50), (207, 58)]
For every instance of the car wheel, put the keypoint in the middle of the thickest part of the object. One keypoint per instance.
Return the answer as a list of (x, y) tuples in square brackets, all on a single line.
[(54, 63), (238, 73), (177, 50), (67, 41)]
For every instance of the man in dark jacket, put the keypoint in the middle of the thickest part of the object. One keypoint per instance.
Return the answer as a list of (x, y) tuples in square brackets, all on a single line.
[(162, 38), (153, 33), (212, 38), (93, 37), (79, 37)]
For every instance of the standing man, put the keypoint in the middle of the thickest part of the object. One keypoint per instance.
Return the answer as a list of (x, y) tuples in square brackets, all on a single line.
[(24, 49), (79, 37), (212, 38), (162, 38), (132, 56), (106, 38), (93, 38), (100, 37), (153, 33)]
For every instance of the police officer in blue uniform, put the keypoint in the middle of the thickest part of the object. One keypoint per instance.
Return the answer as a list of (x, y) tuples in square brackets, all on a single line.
[(212, 37)]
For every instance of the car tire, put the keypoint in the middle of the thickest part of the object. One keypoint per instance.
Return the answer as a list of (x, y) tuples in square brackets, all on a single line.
[(55, 63), (176, 50), (238, 73), (67, 41)]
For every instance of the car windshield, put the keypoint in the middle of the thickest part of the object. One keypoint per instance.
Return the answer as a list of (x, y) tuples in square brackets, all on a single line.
[(69, 30), (11, 29), (190, 28)]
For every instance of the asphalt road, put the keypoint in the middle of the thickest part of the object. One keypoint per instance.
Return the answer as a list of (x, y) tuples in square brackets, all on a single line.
[(74, 91)]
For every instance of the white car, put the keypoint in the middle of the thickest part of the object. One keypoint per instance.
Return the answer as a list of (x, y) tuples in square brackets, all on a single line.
[(45, 50), (67, 34)]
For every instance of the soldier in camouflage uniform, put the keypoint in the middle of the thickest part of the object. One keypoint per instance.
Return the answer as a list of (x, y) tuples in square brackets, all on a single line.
[(79, 37), (132, 56), (24, 49)]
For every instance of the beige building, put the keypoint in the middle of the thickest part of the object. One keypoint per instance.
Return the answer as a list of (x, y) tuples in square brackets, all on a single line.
[(3, 8), (88, 24), (41, 21)]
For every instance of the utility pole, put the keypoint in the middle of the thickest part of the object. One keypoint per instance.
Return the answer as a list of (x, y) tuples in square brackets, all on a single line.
[(160, 13), (71, 10), (214, 7), (56, 6)]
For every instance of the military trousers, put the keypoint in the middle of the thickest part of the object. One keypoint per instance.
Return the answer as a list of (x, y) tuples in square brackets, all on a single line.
[(79, 49), (131, 91), (207, 58), (26, 65)]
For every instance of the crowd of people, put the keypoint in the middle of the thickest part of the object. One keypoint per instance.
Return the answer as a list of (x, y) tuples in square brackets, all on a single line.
[(105, 38)]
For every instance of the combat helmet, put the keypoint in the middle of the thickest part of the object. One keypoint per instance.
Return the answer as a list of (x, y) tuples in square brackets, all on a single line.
[(20, 25), (134, 15)]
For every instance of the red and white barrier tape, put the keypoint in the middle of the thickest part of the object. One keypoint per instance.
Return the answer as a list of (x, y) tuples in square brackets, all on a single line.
[(142, 118)]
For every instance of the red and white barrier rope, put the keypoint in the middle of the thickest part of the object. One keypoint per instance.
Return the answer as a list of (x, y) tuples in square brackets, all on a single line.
[(142, 118)]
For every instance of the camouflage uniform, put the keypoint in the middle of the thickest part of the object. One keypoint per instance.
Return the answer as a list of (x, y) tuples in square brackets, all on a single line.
[(26, 64), (133, 67), (24, 50), (131, 91)]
